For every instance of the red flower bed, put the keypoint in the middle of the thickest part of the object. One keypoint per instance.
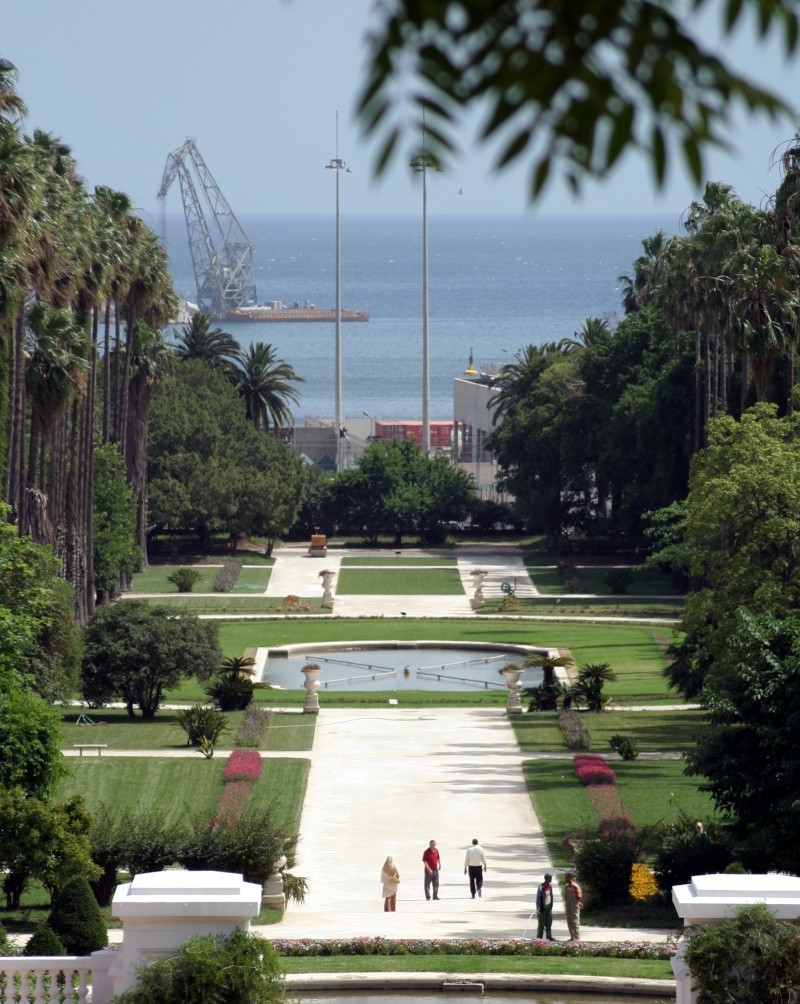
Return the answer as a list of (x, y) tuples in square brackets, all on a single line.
[(232, 803), (243, 765), (593, 769)]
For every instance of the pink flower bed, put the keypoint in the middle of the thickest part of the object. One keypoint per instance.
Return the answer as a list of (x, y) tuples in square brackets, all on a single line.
[(243, 765), (593, 769)]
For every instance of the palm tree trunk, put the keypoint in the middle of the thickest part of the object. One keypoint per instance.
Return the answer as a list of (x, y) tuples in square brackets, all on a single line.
[(117, 362), (15, 473), (107, 373), (136, 458)]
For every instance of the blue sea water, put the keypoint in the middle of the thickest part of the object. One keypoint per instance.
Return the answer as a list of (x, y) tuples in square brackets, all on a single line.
[(496, 284)]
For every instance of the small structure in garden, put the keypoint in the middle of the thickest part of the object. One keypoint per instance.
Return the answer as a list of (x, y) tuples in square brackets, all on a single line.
[(710, 899), (311, 672), (319, 545), (327, 576), (478, 575), (512, 674)]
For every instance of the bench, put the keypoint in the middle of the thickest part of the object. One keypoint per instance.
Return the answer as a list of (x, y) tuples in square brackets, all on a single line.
[(80, 747)]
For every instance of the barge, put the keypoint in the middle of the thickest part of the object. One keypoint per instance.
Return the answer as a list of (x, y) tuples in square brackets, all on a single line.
[(308, 313)]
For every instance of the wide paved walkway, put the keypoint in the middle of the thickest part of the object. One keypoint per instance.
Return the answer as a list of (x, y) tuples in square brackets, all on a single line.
[(296, 573), (385, 782)]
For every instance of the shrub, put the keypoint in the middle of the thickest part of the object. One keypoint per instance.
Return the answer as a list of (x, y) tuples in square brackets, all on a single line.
[(231, 695), (248, 846), (618, 580), (605, 862), (613, 826), (239, 969), (546, 697), (199, 722), (749, 959), (625, 746), (589, 688), (44, 941), (643, 883), (184, 579), (228, 575), (109, 841), (683, 853), (5, 944), (151, 845), (253, 726), (576, 735), (593, 769), (76, 919)]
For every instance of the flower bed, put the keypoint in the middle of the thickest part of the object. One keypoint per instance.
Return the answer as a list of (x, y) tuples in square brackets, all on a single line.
[(308, 947), (591, 768), (243, 765)]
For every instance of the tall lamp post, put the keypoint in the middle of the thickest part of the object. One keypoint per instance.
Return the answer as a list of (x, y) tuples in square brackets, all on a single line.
[(420, 164), (337, 166)]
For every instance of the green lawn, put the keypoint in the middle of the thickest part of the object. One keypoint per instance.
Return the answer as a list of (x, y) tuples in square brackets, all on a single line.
[(155, 578), (562, 806), (596, 606), (399, 582), (561, 965), (120, 732), (395, 562), (230, 603), (652, 731), (591, 579), (179, 789)]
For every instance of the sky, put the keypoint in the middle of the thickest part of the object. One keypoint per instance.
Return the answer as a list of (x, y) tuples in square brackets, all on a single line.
[(258, 83)]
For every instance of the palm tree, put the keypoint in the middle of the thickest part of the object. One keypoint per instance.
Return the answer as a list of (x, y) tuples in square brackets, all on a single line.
[(592, 330), (516, 379), (589, 687), (264, 381), (212, 346)]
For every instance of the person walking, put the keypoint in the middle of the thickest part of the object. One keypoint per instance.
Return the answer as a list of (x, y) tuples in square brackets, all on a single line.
[(573, 901), (390, 877), (475, 865), (544, 908), (433, 863)]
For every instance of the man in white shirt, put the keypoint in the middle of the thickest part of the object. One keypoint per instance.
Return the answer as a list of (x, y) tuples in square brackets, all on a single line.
[(475, 865)]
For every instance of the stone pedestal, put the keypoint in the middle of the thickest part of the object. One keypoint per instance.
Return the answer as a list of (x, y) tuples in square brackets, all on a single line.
[(513, 702), (162, 910), (311, 673), (327, 595), (710, 899), (477, 584)]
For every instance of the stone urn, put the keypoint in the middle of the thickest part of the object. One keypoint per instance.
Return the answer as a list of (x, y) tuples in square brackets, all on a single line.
[(327, 577), (272, 895), (512, 675), (478, 575), (311, 672)]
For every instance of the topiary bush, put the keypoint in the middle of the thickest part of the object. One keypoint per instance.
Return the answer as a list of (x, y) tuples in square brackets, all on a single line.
[(44, 941), (184, 579), (76, 919), (618, 580), (240, 969), (576, 735), (230, 694)]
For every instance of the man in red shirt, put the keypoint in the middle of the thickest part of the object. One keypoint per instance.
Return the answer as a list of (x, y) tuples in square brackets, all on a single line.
[(433, 862)]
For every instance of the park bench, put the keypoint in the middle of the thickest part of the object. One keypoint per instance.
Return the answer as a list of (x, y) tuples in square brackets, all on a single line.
[(80, 747)]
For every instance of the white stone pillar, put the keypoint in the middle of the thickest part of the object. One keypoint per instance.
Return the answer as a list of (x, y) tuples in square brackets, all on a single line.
[(327, 595), (162, 910), (311, 673)]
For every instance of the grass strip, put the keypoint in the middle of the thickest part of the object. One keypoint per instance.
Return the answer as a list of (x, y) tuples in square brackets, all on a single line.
[(559, 965), (121, 732), (399, 582), (390, 562), (651, 731)]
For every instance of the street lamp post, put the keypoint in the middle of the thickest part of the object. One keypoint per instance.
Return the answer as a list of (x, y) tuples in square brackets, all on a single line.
[(421, 164), (337, 166)]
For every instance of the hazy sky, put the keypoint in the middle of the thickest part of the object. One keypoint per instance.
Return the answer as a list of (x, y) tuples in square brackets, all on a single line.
[(257, 83)]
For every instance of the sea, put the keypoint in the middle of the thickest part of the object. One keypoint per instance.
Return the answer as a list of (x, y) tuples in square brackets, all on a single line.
[(496, 284)]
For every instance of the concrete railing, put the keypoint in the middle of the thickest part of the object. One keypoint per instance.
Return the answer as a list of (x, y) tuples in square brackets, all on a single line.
[(159, 912), (44, 980)]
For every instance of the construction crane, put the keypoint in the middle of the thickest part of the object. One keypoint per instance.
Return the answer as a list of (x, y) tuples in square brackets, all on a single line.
[(223, 262)]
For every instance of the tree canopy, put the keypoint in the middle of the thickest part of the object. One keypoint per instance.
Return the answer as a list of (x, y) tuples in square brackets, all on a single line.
[(568, 87), (133, 652)]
